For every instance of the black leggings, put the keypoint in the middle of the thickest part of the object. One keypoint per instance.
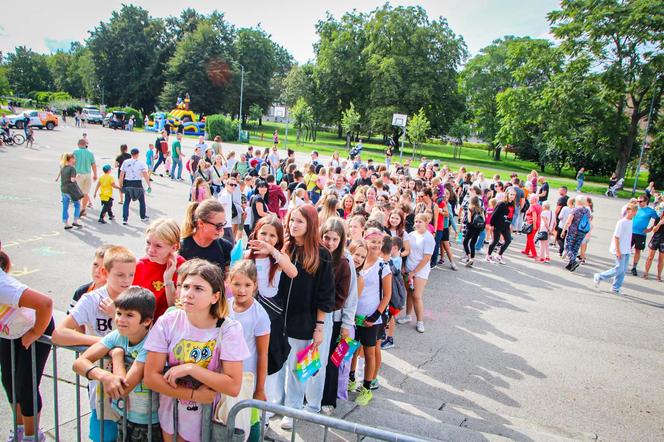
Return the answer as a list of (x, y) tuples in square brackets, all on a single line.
[(23, 367), (332, 371), (470, 240), (507, 239)]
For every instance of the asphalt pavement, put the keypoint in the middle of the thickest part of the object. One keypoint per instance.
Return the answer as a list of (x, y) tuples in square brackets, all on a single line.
[(522, 342)]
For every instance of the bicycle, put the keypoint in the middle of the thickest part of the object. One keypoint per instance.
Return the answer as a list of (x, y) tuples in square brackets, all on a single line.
[(10, 140)]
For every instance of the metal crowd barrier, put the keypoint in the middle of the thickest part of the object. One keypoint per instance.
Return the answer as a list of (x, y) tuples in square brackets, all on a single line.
[(298, 415)]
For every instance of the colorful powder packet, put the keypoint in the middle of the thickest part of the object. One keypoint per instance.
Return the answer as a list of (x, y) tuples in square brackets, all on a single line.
[(308, 363)]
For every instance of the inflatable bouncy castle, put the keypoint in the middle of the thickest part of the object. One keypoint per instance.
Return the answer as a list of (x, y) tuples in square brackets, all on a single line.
[(181, 115)]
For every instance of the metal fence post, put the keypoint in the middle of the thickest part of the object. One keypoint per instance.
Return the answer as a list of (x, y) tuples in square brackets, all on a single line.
[(100, 417), (12, 349), (56, 414), (78, 405), (35, 392)]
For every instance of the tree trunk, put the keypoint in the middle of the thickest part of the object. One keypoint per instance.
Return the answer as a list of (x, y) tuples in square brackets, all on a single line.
[(340, 130), (496, 153), (347, 140), (260, 121)]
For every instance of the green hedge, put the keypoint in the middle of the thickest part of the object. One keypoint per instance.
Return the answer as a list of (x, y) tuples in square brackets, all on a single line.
[(221, 125), (138, 115)]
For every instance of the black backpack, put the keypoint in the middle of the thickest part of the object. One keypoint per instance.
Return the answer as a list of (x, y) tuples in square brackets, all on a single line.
[(398, 299), (479, 223)]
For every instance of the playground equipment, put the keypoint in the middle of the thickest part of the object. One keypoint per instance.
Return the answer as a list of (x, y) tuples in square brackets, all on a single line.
[(179, 116)]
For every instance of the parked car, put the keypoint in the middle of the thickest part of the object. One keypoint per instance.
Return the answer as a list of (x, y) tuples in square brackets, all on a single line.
[(115, 120), (92, 115), (40, 119)]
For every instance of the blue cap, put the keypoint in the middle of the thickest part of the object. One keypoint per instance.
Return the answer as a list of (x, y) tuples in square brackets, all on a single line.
[(106, 168)]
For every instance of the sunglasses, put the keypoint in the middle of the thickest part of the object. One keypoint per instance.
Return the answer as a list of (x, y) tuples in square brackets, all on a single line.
[(231, 184), (218, 227)]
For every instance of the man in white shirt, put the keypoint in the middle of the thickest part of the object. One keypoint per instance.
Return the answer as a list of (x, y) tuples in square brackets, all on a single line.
[(131, 172), (621, 247)]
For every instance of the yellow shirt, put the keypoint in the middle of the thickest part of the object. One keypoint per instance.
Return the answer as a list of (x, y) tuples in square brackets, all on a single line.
[(106, 182), (310, 181)]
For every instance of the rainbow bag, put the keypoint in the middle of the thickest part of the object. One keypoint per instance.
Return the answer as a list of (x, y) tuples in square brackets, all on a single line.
[(308, 363), (15, 321), (344, 351)]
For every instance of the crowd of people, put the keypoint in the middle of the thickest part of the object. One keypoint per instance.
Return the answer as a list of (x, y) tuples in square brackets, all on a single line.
[(275, 258)]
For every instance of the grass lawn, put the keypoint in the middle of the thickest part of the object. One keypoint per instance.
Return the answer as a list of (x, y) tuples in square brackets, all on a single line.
[(473, 157)]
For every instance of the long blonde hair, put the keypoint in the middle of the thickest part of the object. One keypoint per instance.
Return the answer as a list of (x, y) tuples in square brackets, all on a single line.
[(167, 229), (196, 211)]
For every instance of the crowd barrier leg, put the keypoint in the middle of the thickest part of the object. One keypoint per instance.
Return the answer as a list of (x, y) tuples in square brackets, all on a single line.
[(56, 414), (35, 392), (13, 364), (78, 404)]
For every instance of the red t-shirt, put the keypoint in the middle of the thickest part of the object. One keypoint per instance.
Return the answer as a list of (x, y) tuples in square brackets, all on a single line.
[(440, 224), (150, 275)]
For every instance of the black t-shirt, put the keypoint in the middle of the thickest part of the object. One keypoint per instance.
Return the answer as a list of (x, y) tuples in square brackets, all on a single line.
[(218, 252), (78, 294), (121, 159), (294, 185), (544, 188), (562, 201)]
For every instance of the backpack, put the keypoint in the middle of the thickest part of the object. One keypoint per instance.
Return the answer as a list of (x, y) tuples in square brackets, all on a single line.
[(398, 299), (584, 224), (479, 223)]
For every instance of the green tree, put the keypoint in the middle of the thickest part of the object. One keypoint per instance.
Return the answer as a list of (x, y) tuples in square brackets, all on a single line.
[(263, 60), (350, 122), (625, 40), (302, 117), (28, 71), (412, 63), (5, 88), (129, 54), (88, 74), (64, 67), (302, 82), (256, 113), (207, 77), (418, 129), (340, 65)]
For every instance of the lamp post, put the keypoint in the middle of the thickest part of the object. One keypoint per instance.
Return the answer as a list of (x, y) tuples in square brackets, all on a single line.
[(239, 124), (645, 142)]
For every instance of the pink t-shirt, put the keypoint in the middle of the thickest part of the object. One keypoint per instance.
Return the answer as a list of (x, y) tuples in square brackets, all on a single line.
[(174, 335)]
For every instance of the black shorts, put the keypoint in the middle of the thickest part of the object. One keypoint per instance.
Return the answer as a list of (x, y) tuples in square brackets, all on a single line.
[(367, 335), (382, 328), (638, 241), (656, 245), (446, 234), (139, 432)]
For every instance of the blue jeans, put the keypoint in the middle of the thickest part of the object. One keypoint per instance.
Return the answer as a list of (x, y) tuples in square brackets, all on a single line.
[(480, 241), (617, 272), (127, 200), (579, 185), (176, 162), (160, 160), (436, 250), (66, 199)]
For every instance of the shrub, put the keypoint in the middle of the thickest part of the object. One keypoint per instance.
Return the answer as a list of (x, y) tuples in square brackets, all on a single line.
[(138, 115), (221, 125)]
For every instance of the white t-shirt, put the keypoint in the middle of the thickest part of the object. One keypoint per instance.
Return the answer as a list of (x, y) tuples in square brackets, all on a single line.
[(97, 323), (623, 231), (420, 244), (226, 200), (370, 297), (563, 215), (133, 169), (265, 288), (11, 289), (255, 322)]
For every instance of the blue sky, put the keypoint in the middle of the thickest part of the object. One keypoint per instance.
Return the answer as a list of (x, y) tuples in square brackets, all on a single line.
[(54, 24)]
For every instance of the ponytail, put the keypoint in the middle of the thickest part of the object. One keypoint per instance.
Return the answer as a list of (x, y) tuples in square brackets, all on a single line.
[(189, 223)]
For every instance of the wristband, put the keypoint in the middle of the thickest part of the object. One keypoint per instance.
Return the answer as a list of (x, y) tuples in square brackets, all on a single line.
[(374, 316), (320, 322), (87, 373)]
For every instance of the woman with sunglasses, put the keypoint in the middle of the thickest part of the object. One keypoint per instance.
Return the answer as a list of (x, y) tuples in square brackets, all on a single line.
[(203, 224)]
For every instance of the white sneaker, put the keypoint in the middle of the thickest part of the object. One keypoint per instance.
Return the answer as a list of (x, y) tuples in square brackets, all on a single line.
[(287, 423), (469, 263), (419, 326), (499, 260), (464, 260), (489, 258), (453, 266), (327, 410), (596, 280), (404, 319)]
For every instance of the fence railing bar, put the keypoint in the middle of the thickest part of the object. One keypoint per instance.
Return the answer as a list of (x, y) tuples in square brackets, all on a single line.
[(78, 404), (263, 421), (100, 417), (35, 392), (56, 414), (293, 430), (150, 414), (13, 363)]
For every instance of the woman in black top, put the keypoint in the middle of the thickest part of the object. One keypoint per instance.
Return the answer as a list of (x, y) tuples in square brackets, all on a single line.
[(259, 202), (501, 221), (307, 298), (203, 223)]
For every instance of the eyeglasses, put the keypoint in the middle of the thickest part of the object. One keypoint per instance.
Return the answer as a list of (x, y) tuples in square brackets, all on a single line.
[(231, 184), (218, 227), (642, 201)]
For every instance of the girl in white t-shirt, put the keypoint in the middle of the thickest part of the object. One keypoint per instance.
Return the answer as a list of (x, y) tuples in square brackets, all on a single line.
[(14, 294), (422, 244), (255, 325), (265, 244), (203, 347), (546, 228)]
